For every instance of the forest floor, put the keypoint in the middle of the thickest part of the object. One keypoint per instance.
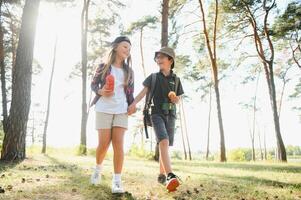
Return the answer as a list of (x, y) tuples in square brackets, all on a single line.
[(65, 176)]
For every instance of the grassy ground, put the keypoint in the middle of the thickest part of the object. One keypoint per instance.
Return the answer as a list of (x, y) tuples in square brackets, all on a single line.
[(66, 176)]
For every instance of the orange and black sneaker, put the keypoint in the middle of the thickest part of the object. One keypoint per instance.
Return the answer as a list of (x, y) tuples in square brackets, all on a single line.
[(172, 182)]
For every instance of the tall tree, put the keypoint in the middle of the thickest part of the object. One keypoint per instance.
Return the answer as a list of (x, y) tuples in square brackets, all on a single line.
[(9, 27), (247, 12), (183, 119), (84, 38), (3, 72), (183, 137), (49, 98), (164, 23), (209, 123), (14, 139), (211, 47)]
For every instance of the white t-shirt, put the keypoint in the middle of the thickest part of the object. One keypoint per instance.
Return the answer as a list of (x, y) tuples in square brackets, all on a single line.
[(116, 104)]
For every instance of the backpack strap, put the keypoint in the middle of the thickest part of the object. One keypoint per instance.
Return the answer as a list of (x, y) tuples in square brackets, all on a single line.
[(148, 99), (150, 93), (177, 81)]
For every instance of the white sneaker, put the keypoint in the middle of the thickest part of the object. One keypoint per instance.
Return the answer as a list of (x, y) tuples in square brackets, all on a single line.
[(96, 177), (117, 187)]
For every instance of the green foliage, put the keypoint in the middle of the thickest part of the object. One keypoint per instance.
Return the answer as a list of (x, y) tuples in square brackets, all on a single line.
[(240, 154), (293, 150), (238, 7), (146, 21), (289, 21), (81, 150), (177, 155), (140, 152)]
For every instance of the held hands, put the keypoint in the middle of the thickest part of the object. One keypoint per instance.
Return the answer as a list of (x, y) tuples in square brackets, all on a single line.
[(132, 109)]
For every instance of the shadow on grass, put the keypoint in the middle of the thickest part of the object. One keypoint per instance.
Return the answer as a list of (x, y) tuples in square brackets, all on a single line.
[(4, 165), (80, 181), (255, 181), (243, 166), (75, 183)]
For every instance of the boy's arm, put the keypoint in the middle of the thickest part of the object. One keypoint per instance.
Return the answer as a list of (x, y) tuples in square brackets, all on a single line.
[(132, 107), (140, 95)]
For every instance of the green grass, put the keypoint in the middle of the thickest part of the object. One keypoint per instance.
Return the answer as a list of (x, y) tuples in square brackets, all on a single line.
[(63, 175)]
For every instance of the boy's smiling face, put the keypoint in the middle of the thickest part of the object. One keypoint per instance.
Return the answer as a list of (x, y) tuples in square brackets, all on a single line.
[(163, 61)]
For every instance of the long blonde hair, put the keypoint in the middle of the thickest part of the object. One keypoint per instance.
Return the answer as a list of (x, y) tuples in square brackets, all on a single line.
[(127, 64)]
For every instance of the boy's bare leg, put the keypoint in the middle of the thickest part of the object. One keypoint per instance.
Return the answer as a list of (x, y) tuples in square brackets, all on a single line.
[(164, 156)]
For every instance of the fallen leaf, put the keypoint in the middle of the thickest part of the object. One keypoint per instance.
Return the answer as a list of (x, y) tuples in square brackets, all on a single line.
[(9, 187)]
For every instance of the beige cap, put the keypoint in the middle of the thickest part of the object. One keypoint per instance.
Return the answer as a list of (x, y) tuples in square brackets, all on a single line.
[(168, 51)]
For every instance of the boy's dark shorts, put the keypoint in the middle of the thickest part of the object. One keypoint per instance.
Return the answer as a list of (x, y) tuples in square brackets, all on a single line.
[(164, 127)]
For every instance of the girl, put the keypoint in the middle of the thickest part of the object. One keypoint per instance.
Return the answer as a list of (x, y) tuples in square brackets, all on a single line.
[(167, 92), (111, 106)]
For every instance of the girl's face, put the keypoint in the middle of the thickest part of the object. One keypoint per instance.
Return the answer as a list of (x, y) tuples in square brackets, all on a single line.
[(123, 50), (163, 61)]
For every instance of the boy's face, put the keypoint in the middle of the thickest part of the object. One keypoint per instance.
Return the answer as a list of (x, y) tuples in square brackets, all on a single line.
[(163, 61)]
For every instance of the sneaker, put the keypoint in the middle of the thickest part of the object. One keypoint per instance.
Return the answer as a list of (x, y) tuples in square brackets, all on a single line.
[(96, 177), (172, 182), (117, 187), (162, 179)]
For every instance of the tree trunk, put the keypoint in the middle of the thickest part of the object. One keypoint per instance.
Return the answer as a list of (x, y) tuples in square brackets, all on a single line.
[(254, 118), (32, 130), (209, 122), (141, 52), (221, 127), (164, 32), (14, 139), (185, 128), (260, 147), (49, 99), (280, 144), (157, 153), (183, 138), (3, 74), (84, 32), (214, 67), (265, 145), (253, 145)]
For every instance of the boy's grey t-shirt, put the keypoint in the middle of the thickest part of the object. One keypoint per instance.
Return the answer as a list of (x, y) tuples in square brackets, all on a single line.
[(161, 92)]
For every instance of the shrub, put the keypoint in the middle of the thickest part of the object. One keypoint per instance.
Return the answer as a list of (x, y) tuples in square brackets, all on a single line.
[(240, 154)]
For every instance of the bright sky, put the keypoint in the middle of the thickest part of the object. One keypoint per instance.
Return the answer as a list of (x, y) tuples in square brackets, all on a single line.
[(64, 122)]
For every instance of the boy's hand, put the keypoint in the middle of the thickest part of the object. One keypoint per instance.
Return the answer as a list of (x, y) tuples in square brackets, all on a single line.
[(132, 109), (175, 99), (106, 93)]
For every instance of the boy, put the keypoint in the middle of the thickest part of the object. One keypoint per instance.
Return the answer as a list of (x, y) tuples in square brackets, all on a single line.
[(166, 95)]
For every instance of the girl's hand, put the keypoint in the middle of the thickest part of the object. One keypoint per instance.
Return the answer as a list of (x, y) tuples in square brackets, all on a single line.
[(132, 109), (106, 93)]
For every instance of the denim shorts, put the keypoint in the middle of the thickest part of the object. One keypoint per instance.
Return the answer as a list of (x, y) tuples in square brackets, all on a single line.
[(164, 127)]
